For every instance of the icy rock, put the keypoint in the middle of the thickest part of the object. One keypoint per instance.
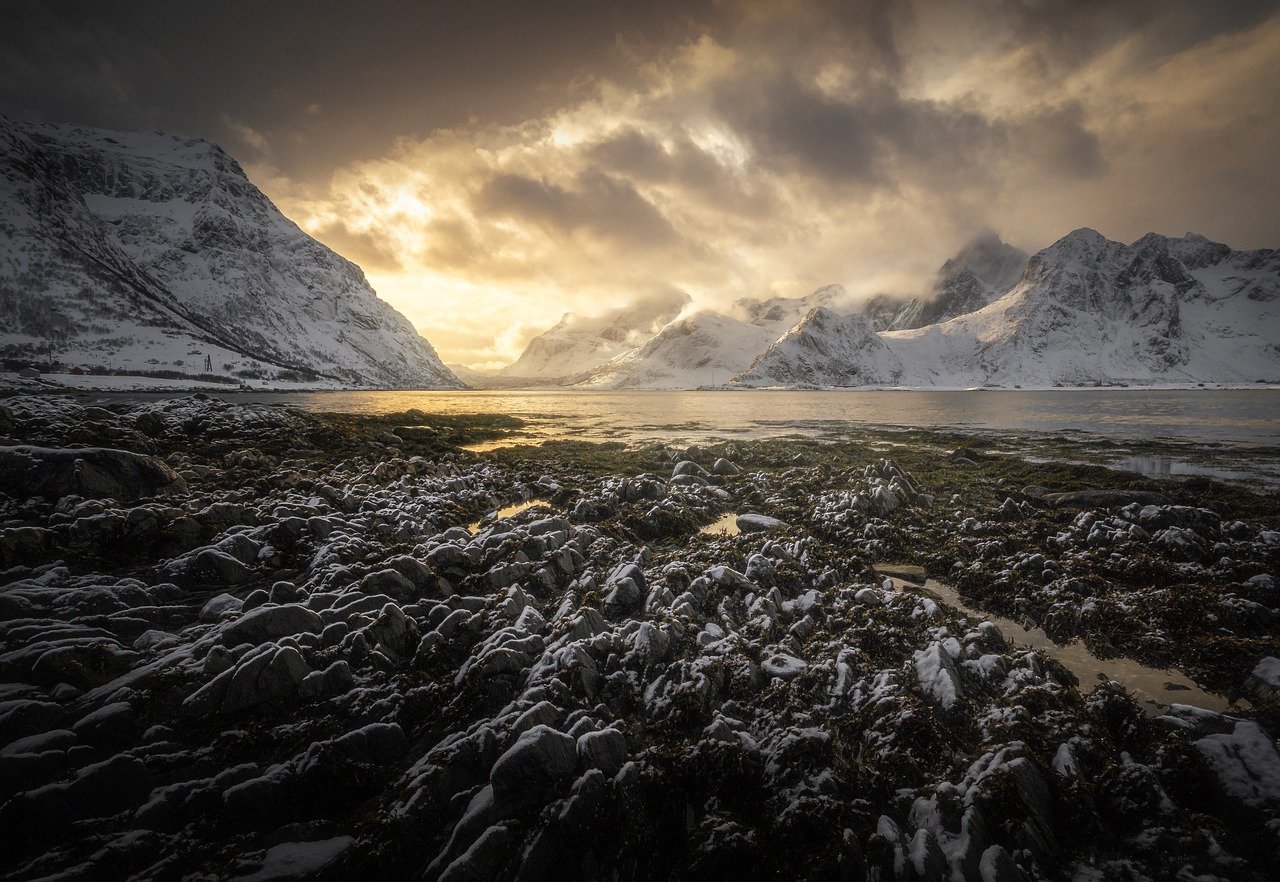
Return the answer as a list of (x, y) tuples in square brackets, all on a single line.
[(297, 860), (722, 466), (263, 675), (97, 791), (219, 606), (539, 763), (758, 523), (783, 665), (270, 623), (939, 674), (1247, 768), (210, 566), (997, 865), (114, 723), (1264, 682), (485, 859), (605, 750)]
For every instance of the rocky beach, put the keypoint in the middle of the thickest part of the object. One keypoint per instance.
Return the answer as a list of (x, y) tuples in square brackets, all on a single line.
[(245, 641)]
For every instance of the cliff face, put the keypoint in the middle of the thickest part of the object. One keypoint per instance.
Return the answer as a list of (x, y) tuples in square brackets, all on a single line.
[(151, 252)]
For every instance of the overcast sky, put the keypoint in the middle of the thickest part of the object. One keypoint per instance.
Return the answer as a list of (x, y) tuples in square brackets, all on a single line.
[(492, 165)]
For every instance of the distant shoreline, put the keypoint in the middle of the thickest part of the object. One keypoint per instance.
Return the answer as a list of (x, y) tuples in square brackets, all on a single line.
[(11, 383)]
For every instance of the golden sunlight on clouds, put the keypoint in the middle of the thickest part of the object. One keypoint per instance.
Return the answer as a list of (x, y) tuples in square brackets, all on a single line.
[(796, 150)]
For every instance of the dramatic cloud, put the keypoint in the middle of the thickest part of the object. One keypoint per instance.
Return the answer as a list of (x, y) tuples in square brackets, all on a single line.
[(493, 171)]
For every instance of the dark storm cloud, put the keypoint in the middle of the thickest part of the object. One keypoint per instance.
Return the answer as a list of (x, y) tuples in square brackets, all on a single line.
[(543, 157), (877, 137), (370, 252), (1076, 30), (598, 204), (326, 81), (683, 165)]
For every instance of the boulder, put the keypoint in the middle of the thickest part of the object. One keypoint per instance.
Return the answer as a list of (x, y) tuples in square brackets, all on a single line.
[(92, 472), (605, 750), (540, 762), (758, 523), (272, 622)]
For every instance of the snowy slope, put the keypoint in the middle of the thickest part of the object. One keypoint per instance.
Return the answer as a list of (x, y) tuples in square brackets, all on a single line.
[(707, 347), (779, 314), (1088, 310), (576, 344), (1085, 310), (147, 252), (983, 271), (825, 349), (703, 349)]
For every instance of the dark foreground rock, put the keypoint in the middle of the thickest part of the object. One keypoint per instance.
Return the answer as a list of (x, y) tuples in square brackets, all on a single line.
[(93, 472), (328, 660)]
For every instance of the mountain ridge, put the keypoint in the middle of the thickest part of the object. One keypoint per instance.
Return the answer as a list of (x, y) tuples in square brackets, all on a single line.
[(143, 252), (1085, 310)]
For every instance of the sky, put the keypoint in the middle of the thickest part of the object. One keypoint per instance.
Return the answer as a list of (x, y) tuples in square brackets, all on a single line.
[(492, 166)]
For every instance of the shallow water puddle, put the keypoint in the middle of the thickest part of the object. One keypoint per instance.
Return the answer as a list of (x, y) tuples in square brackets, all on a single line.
[(725, 525), (1154, 688), (1161, 466), (497, 444), (476, 526)]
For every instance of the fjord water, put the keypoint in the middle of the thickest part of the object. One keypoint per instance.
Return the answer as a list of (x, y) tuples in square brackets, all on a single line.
[(1238, 416)]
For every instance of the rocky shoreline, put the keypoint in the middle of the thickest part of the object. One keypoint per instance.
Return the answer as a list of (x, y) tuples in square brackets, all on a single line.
[(244, 641)]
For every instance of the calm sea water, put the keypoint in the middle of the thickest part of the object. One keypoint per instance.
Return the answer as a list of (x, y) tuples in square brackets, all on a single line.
[(1248, 417)]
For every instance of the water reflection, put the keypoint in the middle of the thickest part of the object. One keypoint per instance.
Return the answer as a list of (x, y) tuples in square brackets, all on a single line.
[(1250, 416), (476, 526), (1154, 688), (1164, 466), (725, 525)]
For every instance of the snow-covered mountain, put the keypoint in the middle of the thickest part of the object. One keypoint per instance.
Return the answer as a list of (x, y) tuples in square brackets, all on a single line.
[(825, 349), (779, 314), (577, 344), (982, 272), (707, 347), (152, 253), (703, 349), (1088, 310), (1085, 310)]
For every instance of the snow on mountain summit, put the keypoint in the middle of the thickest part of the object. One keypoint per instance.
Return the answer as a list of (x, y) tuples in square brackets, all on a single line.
[(981, 272), (576, 344), (1091, 310), (145, 252), (825, 348), (1083, 311)]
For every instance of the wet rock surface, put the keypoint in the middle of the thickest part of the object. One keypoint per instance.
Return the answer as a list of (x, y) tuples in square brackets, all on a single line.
[(297, 661)]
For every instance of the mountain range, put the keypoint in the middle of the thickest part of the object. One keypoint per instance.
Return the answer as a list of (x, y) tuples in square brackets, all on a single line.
[(153, 254), (149, 253), (1084, 311)]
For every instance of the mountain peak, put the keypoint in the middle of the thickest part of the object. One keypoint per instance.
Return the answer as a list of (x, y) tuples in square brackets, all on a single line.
[(192, 269)]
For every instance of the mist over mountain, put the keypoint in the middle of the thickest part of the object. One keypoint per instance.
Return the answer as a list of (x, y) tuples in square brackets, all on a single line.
[(984, 270), (1084, 311), (576, 343)]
